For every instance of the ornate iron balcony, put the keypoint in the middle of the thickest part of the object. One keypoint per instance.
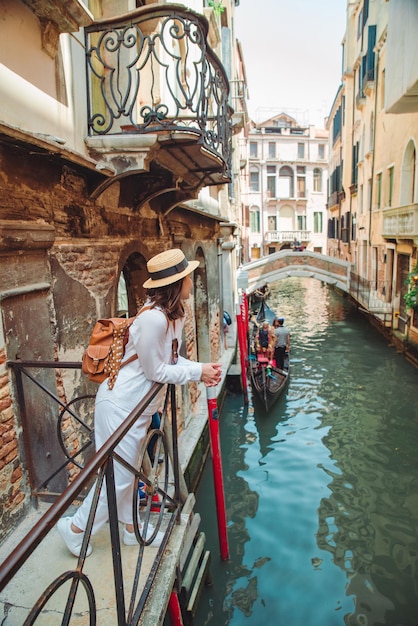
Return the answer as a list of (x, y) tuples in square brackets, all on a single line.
[(152, 71)]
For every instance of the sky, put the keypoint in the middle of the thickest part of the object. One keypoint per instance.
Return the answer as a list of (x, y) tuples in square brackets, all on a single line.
[(293, 56)]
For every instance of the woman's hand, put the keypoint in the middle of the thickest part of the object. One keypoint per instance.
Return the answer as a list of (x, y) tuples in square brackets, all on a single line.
[(211, 374)]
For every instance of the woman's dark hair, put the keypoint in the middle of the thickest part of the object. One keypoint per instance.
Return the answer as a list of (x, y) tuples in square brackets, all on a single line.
[(168, 298)]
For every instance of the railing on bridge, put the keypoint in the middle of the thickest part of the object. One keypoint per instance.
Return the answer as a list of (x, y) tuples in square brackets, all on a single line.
[(374, 296), (162, 479)]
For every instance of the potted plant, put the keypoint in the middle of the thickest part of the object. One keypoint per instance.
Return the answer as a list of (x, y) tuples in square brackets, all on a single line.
[(411, 297)]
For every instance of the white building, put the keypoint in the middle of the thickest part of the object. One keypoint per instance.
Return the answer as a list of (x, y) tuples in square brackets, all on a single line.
[(287, 186)]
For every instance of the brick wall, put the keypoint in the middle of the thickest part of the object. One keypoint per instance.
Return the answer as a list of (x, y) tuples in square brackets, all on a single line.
[(12, 489), (78, 247)]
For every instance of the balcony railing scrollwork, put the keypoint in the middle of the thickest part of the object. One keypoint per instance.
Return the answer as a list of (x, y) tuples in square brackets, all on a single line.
[(151, 71)]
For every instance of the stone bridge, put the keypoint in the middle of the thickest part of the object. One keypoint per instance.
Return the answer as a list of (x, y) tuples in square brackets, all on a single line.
[(288, 263)]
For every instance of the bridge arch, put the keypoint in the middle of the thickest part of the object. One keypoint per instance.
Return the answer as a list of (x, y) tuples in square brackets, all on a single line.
[(287, 263)]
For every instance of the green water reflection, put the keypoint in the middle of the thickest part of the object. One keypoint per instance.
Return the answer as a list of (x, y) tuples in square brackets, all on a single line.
[(322, 493)]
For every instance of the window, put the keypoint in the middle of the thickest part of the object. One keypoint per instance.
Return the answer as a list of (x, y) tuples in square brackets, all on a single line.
[(255, 220), (336, 124), (301, 222), (317, 218), (272, 150), (379, 190), (301, 150), (408, 175), (390, 186), (371, 132), (271, 181), (301, 181), (301, 187), (360, 24), (321, 151), (354, 164), (255, 180), (317, 179), (253, 149), (382, 89), (272, 222), (285, 182)]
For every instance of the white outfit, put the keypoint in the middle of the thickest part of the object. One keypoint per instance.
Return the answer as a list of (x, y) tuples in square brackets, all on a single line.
[(151, 337)]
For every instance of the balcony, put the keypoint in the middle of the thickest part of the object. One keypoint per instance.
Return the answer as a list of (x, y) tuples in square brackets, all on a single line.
[(368, 81), (360, 100), (158, 98), (333, 199), (287, 236), (401, 222)]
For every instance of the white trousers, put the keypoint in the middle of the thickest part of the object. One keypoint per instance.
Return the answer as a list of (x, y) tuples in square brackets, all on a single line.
[(107, 418)]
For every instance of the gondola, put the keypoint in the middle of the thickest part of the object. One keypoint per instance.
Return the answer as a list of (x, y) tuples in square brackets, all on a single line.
[(258, 296), (267, 381)]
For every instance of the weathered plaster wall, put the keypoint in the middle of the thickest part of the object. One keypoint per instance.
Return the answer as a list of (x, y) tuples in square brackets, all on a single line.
[(61, 254)]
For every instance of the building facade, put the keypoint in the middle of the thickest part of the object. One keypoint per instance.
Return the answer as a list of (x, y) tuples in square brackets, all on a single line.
[(373, 134), (117, 140), (286, 186)]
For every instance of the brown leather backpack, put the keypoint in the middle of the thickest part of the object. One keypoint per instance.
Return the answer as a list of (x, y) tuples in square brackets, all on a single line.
[(103, 356)]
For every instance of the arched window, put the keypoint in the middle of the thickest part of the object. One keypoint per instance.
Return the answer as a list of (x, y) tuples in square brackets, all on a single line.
[(317, 179), (408, 175), (286, 187)]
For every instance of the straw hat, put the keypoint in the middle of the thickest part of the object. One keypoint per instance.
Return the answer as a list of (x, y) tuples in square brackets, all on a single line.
[(168, 267)]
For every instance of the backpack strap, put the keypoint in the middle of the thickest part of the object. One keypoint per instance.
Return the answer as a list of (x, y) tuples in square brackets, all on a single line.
[(135, 356)]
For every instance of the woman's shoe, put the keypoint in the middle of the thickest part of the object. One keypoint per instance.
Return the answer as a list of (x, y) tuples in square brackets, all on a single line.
[(71, 539), (129, 539)]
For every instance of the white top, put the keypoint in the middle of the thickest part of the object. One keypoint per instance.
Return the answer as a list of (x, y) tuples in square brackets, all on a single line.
[(150, 336), (282, 336)]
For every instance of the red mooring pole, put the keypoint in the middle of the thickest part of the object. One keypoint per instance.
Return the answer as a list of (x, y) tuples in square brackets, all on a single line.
[(174, 610), (242, 328), (218, 480)]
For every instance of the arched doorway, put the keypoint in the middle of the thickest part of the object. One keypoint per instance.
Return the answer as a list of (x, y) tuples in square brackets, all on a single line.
[(131, 294)]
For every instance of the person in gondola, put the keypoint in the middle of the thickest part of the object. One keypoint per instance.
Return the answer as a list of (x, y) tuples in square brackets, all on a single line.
[(265, 341), (263, 291), (282, 341)]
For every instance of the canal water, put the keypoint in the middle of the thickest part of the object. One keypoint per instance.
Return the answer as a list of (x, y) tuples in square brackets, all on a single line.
[(322, 492)]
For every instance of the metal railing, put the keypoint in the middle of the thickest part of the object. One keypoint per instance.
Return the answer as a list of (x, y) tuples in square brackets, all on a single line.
[(151, 70), (375, 296), (101, 468)]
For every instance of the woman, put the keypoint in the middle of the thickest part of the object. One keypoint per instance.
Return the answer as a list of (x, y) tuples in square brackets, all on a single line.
[(155, 332), (265, 341)]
